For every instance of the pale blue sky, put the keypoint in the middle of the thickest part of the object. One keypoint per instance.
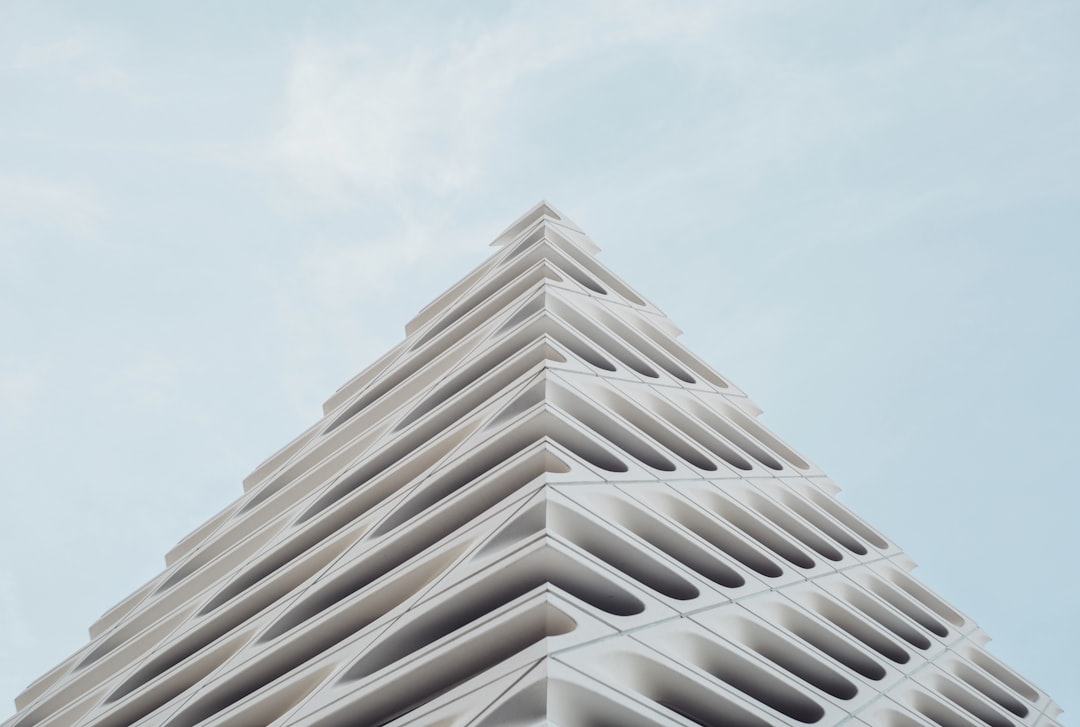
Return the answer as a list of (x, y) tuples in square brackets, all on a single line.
[(864, 213)]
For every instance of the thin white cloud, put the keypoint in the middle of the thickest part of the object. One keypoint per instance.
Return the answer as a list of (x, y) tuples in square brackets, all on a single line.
[(47, 203), (412, 125), (359, 118), (20, 388), (106, 77), (83, 60), (49, 54)]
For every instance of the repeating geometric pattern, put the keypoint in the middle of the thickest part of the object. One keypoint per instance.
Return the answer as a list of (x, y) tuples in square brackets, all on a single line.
[(537, 509)]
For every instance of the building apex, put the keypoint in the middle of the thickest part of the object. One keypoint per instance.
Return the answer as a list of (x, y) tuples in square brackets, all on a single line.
[(542, 210)]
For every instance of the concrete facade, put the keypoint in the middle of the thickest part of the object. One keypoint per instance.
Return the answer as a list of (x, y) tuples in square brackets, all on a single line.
[(537, 509)]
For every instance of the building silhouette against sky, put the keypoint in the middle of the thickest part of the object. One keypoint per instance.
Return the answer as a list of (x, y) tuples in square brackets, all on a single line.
[(538, 508)]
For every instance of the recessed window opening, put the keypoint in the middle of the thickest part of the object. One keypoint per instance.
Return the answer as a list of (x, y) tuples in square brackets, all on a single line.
[(132, 711), (448, 670), (70, 712), (189, 543), (763, 435), (421, 449), (680, 354), (685, 697), (214, 563), (512, 359), (188, 673), (586, 584), (593, 267), (73, 693), (362, 380), (272, 704), (345, 514), (647, 423), (525, 243), (349, 511), (607, 427), (491, 591), (752, 525), (534, 306), (331, 453), (402, 372), (546, 425), (989, 689), (106, 663), (317, 640), (938, 713), (589, 451), (794, 660), (662, 537), (577, 345), (361, 575), (731, 433), (830, 644), (194, 642), (704, 714), (528, 221), (522, 527), (529, 400), (793, 527), (718, 535), (555, 329), (753, 681), (1004, 675), (899, 719), (280, 482), (264, 709), (553, 255), (581, 278), (602, 338), (470, 471), (399, 374), (875, 610), (621, 554), (501, 483), (465, 608), (576, 706), (486, 377), (135, 627), (853, 523), (857, 627), (970, 703), (292, 551), (478, 308), (528, 706), (822, 522), (906, 607), (442, 303), (911, 587), (644, 345), (695, 431)]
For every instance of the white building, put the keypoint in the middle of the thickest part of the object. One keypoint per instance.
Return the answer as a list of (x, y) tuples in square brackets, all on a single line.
[(537, 509)]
